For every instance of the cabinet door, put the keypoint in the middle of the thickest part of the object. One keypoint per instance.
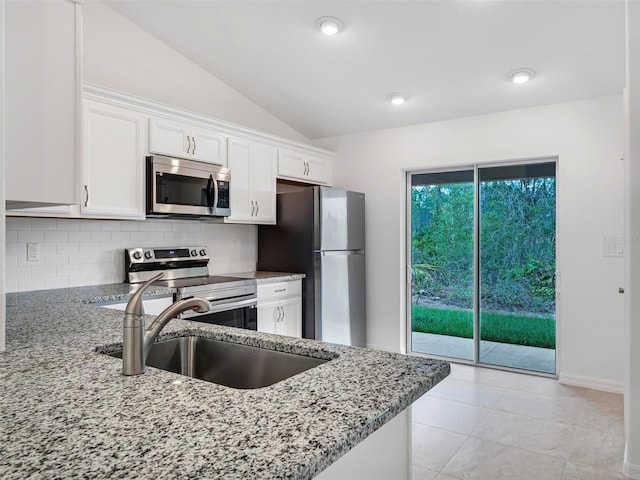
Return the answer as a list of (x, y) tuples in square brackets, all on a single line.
[(317, 170), (113, 161), (169, 138), (41, 100), (303, 167), (291, 317), (241, 200), (264, 183), (290, 164), (208, 146), (268, 314)]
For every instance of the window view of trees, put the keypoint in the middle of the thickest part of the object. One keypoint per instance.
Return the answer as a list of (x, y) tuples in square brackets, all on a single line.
[(517, 259)]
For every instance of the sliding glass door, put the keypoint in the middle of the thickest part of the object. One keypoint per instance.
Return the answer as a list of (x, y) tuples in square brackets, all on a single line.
[(442, 258), (483, 265)]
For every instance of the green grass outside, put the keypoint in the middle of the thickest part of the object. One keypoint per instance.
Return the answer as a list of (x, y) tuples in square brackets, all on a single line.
[(495, 327)]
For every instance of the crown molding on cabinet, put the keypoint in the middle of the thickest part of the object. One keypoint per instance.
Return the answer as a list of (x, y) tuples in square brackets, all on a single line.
[(151, 107)]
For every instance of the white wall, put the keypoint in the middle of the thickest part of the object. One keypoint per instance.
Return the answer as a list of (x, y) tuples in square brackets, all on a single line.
[(120, 55), (2, 177), (632, 386), (587, 137), (91, 252)]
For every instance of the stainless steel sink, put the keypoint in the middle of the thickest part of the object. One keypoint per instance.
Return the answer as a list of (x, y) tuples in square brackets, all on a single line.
[(225, 363)]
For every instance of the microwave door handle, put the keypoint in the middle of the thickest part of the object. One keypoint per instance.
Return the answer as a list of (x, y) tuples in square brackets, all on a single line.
[(215, 198), (210, 193)]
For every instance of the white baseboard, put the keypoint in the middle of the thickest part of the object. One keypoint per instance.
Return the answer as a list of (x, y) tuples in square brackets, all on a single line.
[(629, 469), (612, 386)]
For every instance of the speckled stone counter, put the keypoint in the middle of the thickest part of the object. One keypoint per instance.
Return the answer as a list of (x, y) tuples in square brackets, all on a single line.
[(263, 277), (67, 412)]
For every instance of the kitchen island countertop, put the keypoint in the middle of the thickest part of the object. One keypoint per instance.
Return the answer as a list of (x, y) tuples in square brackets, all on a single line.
[(68, 412)]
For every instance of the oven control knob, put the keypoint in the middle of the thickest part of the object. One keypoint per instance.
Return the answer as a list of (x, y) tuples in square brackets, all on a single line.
[(137, 255), (203, 252), (194, 253), (148, 255)]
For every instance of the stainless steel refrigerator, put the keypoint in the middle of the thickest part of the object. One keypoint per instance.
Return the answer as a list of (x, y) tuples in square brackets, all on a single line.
[(320, 233)]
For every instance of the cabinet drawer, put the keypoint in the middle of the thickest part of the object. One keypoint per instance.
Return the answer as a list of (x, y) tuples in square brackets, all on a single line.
[(279, 290)]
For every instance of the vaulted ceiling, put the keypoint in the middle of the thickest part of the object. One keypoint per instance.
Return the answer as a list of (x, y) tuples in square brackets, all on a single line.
[(451, 57)]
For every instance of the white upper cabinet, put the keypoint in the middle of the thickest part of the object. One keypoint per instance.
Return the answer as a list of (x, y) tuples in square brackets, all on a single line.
[(304, 167), (177, 139), (112, 168), (41, 65), (253, 182)]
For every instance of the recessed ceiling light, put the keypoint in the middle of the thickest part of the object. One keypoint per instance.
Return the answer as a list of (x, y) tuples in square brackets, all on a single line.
[(522, 75), (330, 25), (398, 98)]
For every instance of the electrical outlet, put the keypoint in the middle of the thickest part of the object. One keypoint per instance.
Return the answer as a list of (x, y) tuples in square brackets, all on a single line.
[(33, 252)]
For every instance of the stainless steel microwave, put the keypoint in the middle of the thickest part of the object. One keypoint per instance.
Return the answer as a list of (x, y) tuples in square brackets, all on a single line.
[(177, 187)]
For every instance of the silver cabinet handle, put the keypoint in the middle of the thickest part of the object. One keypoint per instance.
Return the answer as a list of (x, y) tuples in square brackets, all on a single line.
[(194, 145), (257, 208), (86, 201), (253, 208), (282, 310), (188, 143)]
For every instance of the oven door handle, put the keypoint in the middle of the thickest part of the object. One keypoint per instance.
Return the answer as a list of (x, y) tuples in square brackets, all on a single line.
[(223, 307)]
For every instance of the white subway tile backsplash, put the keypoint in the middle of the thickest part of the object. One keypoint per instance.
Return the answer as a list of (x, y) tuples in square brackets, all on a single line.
[(139, 237), (17, 273), (56, 259), (11, 236), (121, 236), (54, 236), (11, 261), (111, 226), (79, 236), (58, 282), (30, 236), (79, 258), (44, 271), (16, 249), (17, 223), (78, 252), (68, 270), (100, 236), (148, 227), (91, 226), (89, 247), (43, 224), (69, 225), (11, 285), (69, 247), (28, 284)]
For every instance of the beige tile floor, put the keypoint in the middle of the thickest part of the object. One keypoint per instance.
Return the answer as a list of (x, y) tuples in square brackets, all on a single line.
[(485, 424)]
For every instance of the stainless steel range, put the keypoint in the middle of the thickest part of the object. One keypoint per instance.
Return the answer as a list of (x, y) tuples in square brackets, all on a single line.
[(186, 269)]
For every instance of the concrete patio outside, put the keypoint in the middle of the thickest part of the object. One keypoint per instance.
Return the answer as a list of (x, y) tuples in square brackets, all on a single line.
[(493, 353)]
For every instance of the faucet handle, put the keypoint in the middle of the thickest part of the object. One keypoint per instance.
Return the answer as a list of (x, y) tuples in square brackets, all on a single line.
[(134, 306)]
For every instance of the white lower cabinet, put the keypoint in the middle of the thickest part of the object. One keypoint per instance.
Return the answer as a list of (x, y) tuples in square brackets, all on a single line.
[(112, 162), (280, 308)]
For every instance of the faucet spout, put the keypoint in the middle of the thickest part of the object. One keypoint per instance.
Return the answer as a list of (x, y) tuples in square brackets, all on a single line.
[(151, 334), (136, 341)]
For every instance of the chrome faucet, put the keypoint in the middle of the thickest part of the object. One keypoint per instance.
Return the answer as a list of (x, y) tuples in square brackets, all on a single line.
[(137, 341)]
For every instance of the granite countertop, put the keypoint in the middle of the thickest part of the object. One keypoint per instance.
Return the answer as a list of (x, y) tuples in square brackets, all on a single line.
[(269, 277), (68, 412)]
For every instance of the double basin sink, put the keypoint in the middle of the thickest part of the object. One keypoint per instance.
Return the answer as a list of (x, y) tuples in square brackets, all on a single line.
[(230, 364)]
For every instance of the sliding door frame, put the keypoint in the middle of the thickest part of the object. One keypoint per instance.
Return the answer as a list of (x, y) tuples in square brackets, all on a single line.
[(476, 260)]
